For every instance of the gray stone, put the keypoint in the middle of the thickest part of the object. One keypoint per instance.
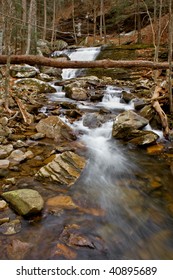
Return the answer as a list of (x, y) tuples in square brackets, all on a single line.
[(35, 85), (4, 163), (65, 168), (126, 122), (5, 150), (37, 136), (23, 71), (55, 128), (17, 156), (24, 201), (144, 138), (76, 93)]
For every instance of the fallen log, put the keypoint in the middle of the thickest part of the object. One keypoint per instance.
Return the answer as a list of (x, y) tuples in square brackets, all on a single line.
[(105, 63), (163, 117)]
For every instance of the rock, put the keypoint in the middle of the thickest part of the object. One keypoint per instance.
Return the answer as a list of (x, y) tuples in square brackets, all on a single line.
[(61, 202), (37, 136), (4, 220), (5, 150), (11, 227), (5, 131), (126, 122), (63, 250), (52, 72), (76, 93), (37, 86), (147, 112), (65, 168), (44, 77), (43, 47), (29, 154), (16, 157), (20, 144), (145, 138), (4, 121), (72, 236), (18, 249), (55, 128), (23, 71), (139, 104), (155, 149), (127, 96), (60, 45), (4, 163), (24, 201), (94, 120), (3, 205)]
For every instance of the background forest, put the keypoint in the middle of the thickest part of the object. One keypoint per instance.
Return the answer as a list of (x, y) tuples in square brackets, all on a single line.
[(24, 22)]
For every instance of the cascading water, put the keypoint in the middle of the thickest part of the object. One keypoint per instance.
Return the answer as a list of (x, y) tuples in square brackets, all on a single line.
[(126, 187), (81, 54)]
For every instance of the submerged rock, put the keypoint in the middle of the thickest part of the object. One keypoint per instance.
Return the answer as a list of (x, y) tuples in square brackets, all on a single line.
[(65, 168), (54, 127), (24, 201)]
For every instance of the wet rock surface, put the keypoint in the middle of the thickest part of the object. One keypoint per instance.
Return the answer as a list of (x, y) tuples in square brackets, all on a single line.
[(64, 169), (24, 201)]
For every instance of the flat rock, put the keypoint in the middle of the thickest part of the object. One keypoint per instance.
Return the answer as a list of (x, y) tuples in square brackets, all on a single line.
[(65, 168), (54, 127), (24, 201)]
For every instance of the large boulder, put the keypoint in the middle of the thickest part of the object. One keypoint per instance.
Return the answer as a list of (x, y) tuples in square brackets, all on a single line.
[(126, 122), (54, 127), (65, 168), (24, 201), (35, 85), (23, 71), (76, 91)]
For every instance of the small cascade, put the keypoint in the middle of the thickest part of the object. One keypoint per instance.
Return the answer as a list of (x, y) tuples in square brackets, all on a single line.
[(112, 99), (80, 54)]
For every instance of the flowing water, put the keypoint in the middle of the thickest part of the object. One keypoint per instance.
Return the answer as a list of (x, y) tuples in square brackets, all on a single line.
[(133, 189), (125, 195)]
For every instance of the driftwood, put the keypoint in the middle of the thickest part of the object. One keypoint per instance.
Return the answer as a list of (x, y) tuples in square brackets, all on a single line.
[(28, 118), (106, 63), (163, 117)]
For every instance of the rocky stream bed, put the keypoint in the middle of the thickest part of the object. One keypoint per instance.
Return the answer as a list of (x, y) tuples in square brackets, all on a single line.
[(83, 180)]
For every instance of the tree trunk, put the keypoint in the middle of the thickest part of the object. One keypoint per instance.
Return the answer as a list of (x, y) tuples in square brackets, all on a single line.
[(30, 22), (95, 18), (106, 63), (73, 18), (53, 22), (170, 57), (139, 23), (45, 19)]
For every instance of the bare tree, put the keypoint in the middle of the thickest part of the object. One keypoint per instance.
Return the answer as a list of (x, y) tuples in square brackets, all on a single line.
[(31, 25), (170, 56), (53, 22), (45, 19)]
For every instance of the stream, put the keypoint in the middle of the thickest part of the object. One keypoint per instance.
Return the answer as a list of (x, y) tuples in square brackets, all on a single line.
[(125, 194)]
